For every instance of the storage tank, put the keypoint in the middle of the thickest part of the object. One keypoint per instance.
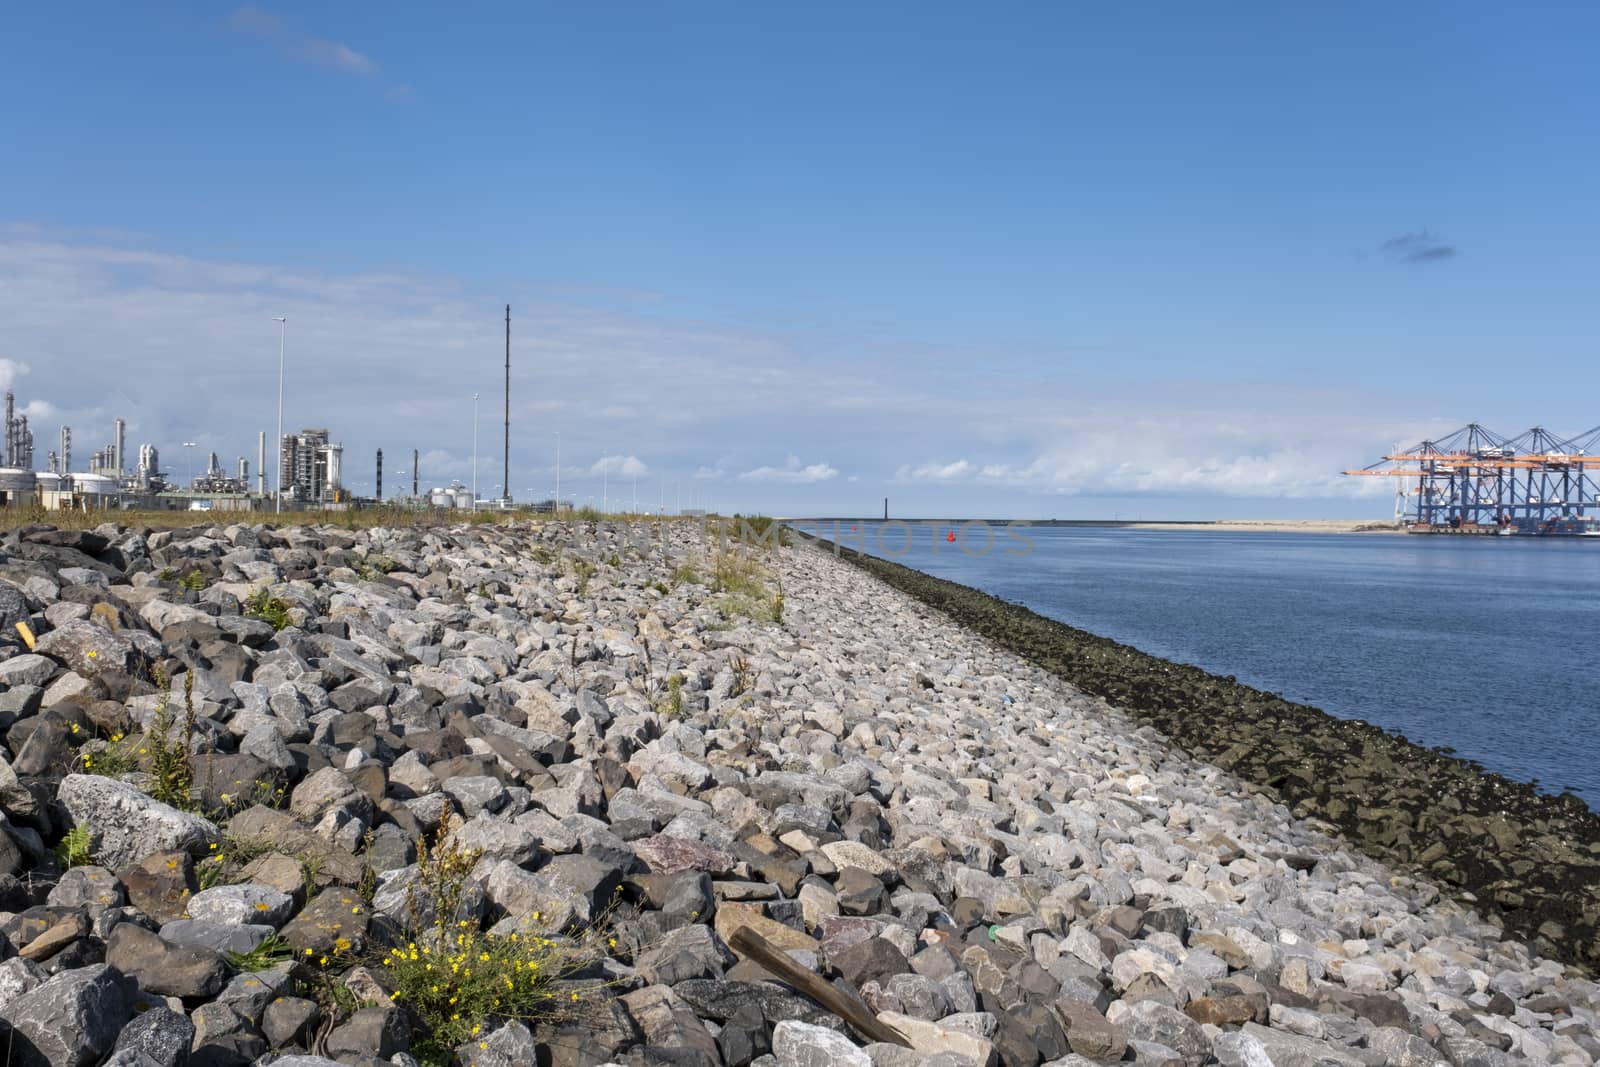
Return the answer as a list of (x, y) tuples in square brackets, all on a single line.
[(441, 498), (95, 489), (17, 486), (464, 499), (17, 480)]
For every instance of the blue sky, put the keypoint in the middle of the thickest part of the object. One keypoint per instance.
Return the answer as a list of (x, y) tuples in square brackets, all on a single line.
[(1004, 259)]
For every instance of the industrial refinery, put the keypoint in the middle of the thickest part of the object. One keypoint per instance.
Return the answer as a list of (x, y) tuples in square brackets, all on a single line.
[(310, 474)]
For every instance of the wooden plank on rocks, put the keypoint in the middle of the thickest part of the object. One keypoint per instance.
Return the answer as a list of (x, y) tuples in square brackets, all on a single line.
[(752, 945)]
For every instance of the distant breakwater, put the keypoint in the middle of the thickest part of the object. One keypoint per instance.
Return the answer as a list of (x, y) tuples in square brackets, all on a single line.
[(1530, 859)]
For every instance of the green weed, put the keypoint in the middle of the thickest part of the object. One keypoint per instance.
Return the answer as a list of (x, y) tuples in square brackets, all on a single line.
[(74, 849), (272, 952), (269, 609)]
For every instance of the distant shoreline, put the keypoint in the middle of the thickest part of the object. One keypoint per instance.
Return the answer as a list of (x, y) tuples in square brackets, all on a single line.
[(1322, 526)]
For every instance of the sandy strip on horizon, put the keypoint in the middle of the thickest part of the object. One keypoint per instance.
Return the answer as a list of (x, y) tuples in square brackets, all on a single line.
[(1278, 526)]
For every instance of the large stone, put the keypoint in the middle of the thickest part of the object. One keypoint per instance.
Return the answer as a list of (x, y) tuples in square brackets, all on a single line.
[(1089, 1033), (263, 824), (162, 968), (668, 1022), (1240, 1050), (70, 1021), (567, 891), (125, 825), (288, 1020), (333, 923), (89, 649), (161, 885), (1293, 1050), (933, 1038), (730, 917), (665, 854), (1148, 1020), (1401, 1048), (380, 1031), (91, 887), (844, 854), (723, 1000), (326, 790), (872, 960), (797, 1044), (241, 904), (161, 1034), (688, 952), (29, 669)]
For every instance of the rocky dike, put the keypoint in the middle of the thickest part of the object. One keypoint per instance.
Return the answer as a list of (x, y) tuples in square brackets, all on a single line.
[(641, 746), (1530, 859)]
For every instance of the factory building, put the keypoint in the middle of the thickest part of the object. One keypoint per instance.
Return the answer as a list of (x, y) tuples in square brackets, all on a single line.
[(19, 485), (311, 467)]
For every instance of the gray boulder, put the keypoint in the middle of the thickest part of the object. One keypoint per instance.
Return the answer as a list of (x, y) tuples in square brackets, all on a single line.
[(127, 825), (798, 1044), (161, 1034), (70, 1021)]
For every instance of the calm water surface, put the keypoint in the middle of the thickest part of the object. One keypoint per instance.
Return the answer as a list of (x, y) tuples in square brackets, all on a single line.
[(1490, 646)]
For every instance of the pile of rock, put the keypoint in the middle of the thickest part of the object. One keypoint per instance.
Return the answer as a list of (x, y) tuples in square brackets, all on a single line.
[(1003, 870)]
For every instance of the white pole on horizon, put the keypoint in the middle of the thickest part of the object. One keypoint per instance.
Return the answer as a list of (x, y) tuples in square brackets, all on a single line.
[(558, 473), (474, 451), (283, 328), (188, 447), (605, 485), (636, 492)]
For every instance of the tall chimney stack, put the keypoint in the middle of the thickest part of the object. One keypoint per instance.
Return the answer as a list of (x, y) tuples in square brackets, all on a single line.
[(506, 485)]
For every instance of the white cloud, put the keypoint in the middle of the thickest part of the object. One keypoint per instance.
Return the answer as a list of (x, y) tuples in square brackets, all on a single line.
[(619, 467), (10, 371), (391, 359), (791, 473), (337, 55), (958, 471), (1107, 455), (309, 48)]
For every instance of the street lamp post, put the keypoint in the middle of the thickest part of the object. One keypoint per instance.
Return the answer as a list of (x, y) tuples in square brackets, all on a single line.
[(283, 328), (605, 485), (558, 471), (474, 451)]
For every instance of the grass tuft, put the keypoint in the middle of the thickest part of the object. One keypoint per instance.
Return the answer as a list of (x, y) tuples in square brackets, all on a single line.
[(273, 951), (262, 605)]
